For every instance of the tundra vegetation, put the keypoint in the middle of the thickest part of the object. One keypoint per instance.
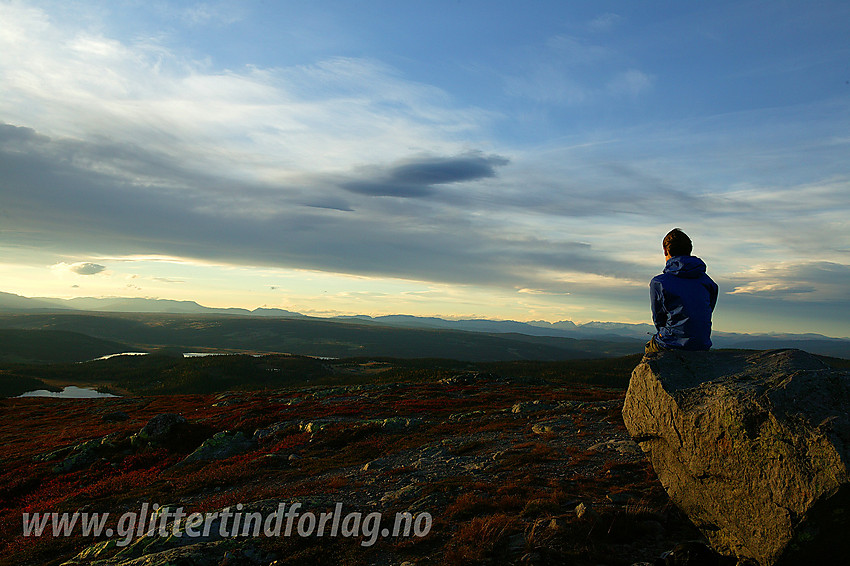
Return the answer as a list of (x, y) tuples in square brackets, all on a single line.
[(517, 462)]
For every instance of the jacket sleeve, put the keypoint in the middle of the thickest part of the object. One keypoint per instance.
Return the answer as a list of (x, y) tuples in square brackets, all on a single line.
[(656, 301), (712, 294)]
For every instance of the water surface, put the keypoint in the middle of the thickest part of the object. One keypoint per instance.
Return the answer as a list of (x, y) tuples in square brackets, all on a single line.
[(70, 392)]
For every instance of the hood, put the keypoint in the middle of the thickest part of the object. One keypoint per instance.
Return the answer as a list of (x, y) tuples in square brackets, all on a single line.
[(687, 266)]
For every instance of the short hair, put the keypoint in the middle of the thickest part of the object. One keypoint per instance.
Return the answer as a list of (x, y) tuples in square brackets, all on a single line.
[(677, 242)]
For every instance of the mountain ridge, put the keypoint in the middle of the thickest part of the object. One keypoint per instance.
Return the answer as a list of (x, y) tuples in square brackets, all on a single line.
[(594, 330)]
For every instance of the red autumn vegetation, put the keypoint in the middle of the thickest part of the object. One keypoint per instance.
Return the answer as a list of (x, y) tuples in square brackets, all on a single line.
[(498, 490)]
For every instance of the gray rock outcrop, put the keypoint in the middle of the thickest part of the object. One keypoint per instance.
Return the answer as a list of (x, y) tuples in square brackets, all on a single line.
[(222, 445), (160, 427), (752, 446), (82, 455)]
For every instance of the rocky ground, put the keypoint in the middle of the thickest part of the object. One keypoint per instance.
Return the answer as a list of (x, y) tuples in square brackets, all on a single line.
[(510, 472)]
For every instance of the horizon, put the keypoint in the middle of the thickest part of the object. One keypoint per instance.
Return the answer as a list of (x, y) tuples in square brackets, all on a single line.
[(499, 161), (329, 316)]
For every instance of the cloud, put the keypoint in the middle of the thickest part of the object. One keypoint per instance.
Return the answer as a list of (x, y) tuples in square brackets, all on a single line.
[(80, 268), (802, 281), (87, 268), (329, 202), (75, 194), (416, 177), (575, 52), (604, 22), (547, 83), (569, 71), (442, 170), (488, 229), (206, 13), (264, 123), (775, 290), (631, 83)]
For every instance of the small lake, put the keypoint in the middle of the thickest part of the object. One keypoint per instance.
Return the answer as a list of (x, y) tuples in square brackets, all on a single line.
[(199, 355), (185, 355), (121, 354), (69, 392)]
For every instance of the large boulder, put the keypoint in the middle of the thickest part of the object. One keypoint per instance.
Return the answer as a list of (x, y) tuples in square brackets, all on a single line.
[(752, 446)]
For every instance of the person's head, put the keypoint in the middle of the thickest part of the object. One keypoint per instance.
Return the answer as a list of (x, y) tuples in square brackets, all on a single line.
[(676, 243)]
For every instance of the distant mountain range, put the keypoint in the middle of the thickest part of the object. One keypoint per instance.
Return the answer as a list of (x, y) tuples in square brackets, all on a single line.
[(15, 303), (626, 334), (563, 329), (620, 331)]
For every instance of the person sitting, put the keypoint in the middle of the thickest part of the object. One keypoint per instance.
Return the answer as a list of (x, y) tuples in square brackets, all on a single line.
[(682, 299)]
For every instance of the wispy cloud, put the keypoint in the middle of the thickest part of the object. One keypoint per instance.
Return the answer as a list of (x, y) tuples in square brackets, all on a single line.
[(632, 83), (807, 280), (267, 122), (570, 70), (604, 22), (206, 13)]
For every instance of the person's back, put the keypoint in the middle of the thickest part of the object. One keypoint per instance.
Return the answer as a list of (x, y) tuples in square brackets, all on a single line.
[(682, 298)]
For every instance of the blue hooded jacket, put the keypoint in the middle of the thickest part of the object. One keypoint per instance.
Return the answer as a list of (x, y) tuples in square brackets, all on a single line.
[(683, 298)]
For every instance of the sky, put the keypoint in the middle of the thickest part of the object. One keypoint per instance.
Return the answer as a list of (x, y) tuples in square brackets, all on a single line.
[(464, 159)]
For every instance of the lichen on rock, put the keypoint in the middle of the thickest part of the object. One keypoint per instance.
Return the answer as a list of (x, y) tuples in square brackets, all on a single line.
[(752, 446)]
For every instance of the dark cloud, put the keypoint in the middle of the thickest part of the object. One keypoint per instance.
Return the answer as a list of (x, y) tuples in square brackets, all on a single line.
[(442, 170), (80, 195), (824, 272), (86, 268), (416, 178), (10, 134), (330, 203)]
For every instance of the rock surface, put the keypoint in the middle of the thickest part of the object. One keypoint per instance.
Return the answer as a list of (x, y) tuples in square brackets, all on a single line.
[(160, 427), (752, 446), (222, 445)]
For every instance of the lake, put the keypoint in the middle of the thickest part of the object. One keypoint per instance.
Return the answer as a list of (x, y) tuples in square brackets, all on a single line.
[(185, 355), (69, 392)]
